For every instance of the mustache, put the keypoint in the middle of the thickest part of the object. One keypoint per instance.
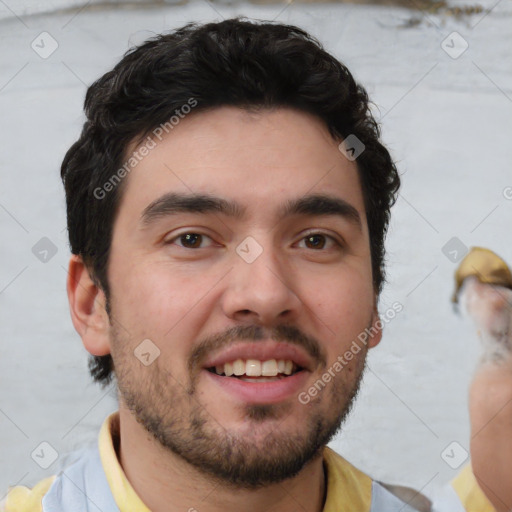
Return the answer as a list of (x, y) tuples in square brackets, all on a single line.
[(287, 333)]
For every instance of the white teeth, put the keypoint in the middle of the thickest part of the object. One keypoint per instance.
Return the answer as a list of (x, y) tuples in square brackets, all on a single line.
[(269, 368), (238, 367), (255, 368), (228, 369)]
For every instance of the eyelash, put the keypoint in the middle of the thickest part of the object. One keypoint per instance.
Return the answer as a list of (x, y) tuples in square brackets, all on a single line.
[(328, 237), (178, 237)]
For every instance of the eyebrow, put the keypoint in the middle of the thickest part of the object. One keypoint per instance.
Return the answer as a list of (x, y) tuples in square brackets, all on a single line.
[(173, 203), (314, 205), (323, 205)]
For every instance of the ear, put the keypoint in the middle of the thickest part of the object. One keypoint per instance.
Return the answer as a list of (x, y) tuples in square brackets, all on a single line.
[(376, 328), (87, 305)]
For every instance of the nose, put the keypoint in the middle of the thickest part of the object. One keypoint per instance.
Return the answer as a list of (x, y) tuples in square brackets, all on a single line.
[(261, 291)]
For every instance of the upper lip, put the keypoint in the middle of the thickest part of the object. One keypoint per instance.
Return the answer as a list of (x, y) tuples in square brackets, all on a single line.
[(261, 351)]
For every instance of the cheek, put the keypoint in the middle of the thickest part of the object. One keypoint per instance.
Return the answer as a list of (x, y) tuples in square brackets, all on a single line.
[(156, 303), (345, 304), (343, 310)]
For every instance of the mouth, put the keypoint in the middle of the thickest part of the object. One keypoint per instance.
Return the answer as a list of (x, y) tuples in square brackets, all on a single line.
[(265, 372), (256, 371)]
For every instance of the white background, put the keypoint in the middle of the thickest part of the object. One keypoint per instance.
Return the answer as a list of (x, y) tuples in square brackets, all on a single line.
[(448, 124)]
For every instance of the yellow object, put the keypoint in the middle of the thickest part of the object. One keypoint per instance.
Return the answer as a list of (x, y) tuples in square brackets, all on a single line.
[(348, 489), (125, 497), (484, 264), (23, 499), (470, 494)]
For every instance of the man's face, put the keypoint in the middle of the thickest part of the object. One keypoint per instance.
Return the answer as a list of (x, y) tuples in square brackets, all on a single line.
[(259, 262)]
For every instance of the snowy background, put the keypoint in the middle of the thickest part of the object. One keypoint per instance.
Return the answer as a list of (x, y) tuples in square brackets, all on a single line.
[(447, 118)]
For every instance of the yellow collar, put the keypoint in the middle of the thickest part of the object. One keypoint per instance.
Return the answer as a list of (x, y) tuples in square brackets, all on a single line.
[(471, 496), (348, 489), (124, 495)]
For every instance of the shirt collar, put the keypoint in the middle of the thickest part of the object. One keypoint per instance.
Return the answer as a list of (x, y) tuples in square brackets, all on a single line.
[(347, 488), (108, 442)]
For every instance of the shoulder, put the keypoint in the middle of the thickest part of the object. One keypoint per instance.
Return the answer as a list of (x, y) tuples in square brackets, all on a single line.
[(23, 499)]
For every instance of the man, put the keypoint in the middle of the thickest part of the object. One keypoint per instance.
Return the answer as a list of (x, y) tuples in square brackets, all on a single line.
[(227, 202)]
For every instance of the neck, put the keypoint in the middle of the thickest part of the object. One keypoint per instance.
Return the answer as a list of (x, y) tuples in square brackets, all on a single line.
[(166, 483)]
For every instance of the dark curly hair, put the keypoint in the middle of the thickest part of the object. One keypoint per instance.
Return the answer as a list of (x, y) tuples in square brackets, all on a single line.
[(236, 62)]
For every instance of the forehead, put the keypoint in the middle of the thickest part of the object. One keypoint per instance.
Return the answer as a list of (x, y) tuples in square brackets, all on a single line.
[(259, 159)]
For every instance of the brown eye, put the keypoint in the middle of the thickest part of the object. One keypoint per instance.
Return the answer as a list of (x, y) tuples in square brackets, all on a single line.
[(191, 240), (315, 241), (320, 242)]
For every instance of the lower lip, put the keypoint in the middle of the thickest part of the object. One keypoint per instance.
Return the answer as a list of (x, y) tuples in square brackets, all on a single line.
[(261, 392)]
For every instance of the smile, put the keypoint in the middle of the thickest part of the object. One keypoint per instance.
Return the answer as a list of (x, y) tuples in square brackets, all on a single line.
[(252, 370)]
